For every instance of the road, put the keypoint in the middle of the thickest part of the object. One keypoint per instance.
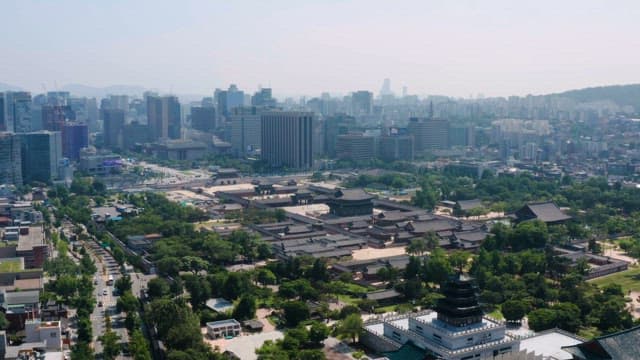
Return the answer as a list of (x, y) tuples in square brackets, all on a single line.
[(107, 266)]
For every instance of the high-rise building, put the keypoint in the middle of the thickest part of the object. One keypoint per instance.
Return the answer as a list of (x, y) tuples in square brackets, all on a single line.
[(203, 118), (113, 126), (10, 159), (334, 126), (86, 110), (75, 136), (355, 147), (362, 103), (18, 111), (287, 139), (395, 147), (41, 156), (246, 129), (3, 116), (163, 117), (229, 99), (119, 102), (263, 98), (429, 134), (135, 133), (386, 88), (461, 135), (58, 98), (54, 116)]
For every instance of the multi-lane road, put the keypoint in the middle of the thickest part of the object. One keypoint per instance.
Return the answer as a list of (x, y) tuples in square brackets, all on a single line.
[(107, 267)]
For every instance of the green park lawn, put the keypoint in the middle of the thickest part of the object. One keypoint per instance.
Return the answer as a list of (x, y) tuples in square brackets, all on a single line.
[(629, 279)]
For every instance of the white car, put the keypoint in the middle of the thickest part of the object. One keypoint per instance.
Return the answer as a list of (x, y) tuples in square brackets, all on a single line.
[(105, 292)]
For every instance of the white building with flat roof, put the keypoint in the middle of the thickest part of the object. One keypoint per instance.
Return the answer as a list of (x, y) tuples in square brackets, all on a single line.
[(223, 328)]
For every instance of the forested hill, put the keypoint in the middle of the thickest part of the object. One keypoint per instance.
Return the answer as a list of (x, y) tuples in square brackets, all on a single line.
[(620, 94)]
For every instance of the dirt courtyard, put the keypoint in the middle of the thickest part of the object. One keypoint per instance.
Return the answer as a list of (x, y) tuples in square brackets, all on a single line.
[(375, 253)]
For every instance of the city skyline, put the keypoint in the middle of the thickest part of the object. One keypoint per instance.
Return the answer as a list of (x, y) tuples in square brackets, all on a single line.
[(461, 50)]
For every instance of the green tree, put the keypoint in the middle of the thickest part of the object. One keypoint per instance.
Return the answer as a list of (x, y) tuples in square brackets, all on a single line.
[(295, 312), (194, 264), (318, 332), (118, 255), (132, 321), (459, 259), (432, 240), (138, 346), (84, 330), (66, 286), (417, 246), (542, 319), (87, 266), (127, 303), (123, 284), (82, 351), (350, 327), (266, 277), (4, 323), (567, 316), (514, 310), (246, 308), (157, 288), (437, 268), (110, 345)]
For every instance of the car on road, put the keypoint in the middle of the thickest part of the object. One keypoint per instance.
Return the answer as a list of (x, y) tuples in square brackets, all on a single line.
[(99, 303), (105, 292)]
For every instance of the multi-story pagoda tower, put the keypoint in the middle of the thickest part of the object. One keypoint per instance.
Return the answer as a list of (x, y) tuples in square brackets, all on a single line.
[(460, 305)]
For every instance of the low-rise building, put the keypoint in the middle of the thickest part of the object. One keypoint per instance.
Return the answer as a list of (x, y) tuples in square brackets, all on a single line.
[(352, 202), (547, 212), (223, 328), (49, 332), (179, 150)]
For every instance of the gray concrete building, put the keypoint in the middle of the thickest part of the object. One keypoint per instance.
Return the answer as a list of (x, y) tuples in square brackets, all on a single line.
[(10, 159), (246, 129), (287, 139), (41, 156), (396, 147), (113, 128), (163, 117), (429, 134), (355, 147), (18, 113)]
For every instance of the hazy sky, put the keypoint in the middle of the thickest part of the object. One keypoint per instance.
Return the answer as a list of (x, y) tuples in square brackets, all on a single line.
[(449, 47)]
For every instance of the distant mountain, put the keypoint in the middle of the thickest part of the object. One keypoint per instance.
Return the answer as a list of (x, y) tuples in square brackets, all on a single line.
[(99, 92), (9, 87), (620, 94)]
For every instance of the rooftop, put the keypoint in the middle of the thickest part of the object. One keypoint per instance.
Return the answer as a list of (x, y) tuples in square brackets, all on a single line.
[(219, 305), (352, 195), (549, 344), (466, 205), (11, 265), (226, 322), (621, 345), (547, 212), (35, 237)]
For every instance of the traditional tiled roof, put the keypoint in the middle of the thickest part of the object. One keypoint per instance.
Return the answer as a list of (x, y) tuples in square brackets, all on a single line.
[(433, 225), (623, 345), (471, 235), (466, 205), (352, 194), (383, 294), (546, 211)]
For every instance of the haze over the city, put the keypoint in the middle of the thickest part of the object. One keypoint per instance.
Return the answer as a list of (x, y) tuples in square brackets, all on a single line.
[(461, 48)]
